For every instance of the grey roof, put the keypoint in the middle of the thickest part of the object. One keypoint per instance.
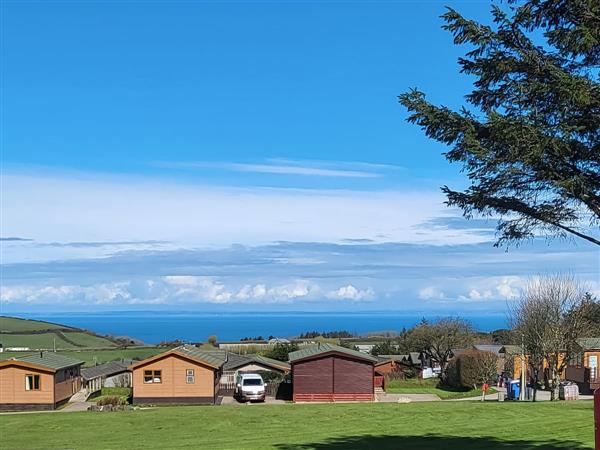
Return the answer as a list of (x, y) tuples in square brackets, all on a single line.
[(383, 358), (488, 348), (234, 361), (314, 350), (271, 362), (105, 370), (54, 361), (415, 357), (589, 343)]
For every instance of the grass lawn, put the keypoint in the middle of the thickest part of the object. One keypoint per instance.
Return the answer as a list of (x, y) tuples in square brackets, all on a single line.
[(430, 386), (415, 426)]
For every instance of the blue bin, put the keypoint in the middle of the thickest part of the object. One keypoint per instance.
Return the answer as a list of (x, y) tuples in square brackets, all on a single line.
[(513, 390)]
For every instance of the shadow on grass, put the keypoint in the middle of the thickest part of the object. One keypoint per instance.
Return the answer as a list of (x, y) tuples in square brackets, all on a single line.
[(432, 442)]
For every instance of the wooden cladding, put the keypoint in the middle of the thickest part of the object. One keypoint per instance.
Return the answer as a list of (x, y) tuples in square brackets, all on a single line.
[(332, 377), (333, 397)]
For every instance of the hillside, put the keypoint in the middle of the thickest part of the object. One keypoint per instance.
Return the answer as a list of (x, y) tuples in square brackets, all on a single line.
[(40, 335)]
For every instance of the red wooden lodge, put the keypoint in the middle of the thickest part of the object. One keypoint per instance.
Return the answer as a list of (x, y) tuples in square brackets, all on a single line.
[(329, 373)]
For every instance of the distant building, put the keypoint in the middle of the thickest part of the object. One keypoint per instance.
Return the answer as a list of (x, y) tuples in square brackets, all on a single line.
[(110, 374)]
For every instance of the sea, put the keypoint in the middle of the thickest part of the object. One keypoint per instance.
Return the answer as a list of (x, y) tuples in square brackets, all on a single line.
[(153, 327)]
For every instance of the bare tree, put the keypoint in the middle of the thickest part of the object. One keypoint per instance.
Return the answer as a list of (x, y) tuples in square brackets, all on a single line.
[(437, 340), (477, 367), (549, 318)]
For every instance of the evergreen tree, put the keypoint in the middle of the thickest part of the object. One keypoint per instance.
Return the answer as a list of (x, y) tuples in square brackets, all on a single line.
[(530, 142)]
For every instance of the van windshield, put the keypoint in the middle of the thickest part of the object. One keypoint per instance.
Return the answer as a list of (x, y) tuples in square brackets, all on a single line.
[(252, 382)]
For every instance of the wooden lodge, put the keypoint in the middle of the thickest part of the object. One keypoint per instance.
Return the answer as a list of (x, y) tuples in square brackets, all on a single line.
[(329, 373), (38, 382), (183, 375)]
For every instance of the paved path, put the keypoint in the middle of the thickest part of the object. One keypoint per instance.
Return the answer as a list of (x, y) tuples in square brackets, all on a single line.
[(407, 398), (76, 406)]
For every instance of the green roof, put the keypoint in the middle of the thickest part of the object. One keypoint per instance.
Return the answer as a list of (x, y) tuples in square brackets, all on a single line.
[(214, 358), (589, 343), (54, 361), (270, 361), (314, 350)]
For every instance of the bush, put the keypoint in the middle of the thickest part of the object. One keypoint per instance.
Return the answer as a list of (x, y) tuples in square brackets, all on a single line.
[(113, 400), (471, 369), (118, 391)]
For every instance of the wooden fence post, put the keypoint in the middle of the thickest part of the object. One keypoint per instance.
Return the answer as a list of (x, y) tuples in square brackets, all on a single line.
[(597, 417)]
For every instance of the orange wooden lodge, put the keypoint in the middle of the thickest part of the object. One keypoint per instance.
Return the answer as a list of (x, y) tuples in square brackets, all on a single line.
[(329, 373), (38, 382), (183, 375)]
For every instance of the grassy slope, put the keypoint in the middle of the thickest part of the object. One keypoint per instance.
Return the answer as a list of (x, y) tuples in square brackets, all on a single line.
[(416, 426), (13, 324), (429, 386), (46, 340), (87, 356), (89, 340)]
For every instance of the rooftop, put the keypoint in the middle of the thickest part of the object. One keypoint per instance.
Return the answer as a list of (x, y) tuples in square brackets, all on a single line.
[(51, 360), (106, 369), (319, 349)]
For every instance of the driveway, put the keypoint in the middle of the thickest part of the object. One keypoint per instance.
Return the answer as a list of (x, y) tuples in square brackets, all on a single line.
[(227, 400)]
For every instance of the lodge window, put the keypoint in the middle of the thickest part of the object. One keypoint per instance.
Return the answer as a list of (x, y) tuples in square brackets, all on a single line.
[(32, 382), (189, 376), (152, 376)]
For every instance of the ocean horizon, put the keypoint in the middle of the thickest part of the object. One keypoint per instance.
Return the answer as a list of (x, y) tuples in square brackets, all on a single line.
[(153, 327)]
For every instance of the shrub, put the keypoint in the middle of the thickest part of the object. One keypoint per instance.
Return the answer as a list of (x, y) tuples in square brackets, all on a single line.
[(113, 400), (471, 369), (118, 391)]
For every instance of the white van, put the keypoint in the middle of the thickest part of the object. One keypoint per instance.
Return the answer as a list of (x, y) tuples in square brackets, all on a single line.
[(249, 386)]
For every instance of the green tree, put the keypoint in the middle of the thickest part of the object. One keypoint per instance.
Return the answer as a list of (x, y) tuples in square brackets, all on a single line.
[(280, 351), (530, 142), (385, 348)]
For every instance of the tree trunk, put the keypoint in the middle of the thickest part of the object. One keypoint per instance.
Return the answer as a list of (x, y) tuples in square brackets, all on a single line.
[(553, 384), (535, 383)]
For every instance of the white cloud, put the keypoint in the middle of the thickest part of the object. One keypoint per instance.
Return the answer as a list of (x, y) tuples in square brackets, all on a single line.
[(102, 209), (336, 169), (164, 290), (350, 292), (495, 288), (431, 293)]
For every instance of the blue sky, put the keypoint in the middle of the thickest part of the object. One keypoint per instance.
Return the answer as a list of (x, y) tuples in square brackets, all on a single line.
[(187, 154)]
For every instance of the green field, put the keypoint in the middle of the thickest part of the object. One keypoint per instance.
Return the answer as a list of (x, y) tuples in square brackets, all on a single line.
[(35, 341), (415, 426), (91, 357), (49, 339), (47, 336), (430, 386), (14, 324)]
